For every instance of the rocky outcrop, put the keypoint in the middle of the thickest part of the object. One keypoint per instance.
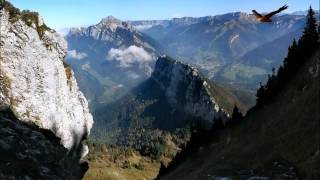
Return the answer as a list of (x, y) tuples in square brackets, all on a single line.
[(35, 83), (186, 89)]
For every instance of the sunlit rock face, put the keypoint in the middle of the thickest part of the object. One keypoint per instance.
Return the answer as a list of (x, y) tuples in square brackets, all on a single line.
[(37, 85)]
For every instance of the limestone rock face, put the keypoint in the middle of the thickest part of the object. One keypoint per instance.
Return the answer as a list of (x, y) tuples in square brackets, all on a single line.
[(37, 85), (185, 87)]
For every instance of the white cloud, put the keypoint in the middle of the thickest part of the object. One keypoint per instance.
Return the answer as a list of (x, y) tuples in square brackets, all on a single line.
[(76, 55), (133, 55)]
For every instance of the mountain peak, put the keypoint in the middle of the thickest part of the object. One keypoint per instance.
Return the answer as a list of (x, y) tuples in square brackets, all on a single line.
[(110, 20), (112, 23)]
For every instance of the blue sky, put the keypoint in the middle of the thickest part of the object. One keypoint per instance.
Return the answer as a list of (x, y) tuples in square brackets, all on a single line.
[(72, 13)]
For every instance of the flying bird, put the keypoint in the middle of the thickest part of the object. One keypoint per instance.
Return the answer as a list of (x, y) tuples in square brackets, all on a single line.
[(267, 17)]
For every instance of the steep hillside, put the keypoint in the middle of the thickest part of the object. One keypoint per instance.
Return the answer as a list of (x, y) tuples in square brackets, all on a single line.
[(110, 58), (280, 140)]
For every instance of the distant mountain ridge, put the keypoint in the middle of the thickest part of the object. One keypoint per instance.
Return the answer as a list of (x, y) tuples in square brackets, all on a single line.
[(111, 29), (216, 43)]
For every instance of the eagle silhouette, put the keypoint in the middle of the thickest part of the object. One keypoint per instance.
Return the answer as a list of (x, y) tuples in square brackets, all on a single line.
[(267, 17)]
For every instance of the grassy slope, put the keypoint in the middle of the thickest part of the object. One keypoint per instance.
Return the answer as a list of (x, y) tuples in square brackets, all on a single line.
[(105, 171), (245, 96), (114, 163), (226, 97), (288, 128)]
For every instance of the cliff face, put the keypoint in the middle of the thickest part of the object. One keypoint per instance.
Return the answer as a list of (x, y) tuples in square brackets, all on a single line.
[(187, 90), (36, 84)]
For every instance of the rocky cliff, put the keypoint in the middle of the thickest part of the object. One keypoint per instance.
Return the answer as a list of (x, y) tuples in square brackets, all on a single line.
[(186, 89), (35, 83)]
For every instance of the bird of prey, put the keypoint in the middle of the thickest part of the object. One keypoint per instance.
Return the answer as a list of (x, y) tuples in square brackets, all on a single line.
[(267, 17)]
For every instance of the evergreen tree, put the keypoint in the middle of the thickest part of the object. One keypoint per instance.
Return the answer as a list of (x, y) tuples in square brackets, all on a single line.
[(296, 53), (292, 51), (310, 35), (236, 115), (260, 94)]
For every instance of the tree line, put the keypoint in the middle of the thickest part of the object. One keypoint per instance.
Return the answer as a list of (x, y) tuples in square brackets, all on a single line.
[(298, 52)]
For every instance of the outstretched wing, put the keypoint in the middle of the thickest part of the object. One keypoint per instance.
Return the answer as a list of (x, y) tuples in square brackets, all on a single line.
[(256, 14), (276, 12)]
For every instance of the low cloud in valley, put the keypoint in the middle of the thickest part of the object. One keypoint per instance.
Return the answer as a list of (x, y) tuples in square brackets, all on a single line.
[(130, 56)]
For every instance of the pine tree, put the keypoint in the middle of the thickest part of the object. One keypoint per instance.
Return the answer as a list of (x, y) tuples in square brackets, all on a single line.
[(292, 51), (296, 53), (310, 35), (260, 94), (236, 115)]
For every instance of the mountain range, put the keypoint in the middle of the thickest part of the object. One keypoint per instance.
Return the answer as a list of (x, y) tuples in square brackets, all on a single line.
[(222, 45), (112, 57), (129, 88)]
